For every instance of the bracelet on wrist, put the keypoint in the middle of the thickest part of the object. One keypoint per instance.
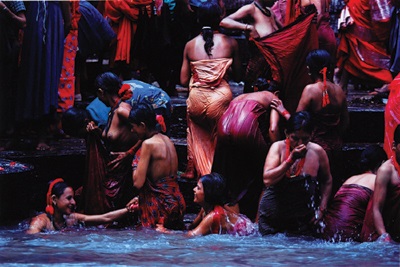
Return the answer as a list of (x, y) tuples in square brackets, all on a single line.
[(285, 112), (289, 160)]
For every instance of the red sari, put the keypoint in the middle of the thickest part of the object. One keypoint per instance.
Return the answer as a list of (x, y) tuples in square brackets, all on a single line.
[(362, 49), (285, 51)]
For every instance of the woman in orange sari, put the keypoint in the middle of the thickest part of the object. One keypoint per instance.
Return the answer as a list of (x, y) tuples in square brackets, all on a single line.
[(206, 60)]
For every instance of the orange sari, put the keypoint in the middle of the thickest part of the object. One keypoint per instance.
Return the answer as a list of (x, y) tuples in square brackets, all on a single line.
[(209, 97)]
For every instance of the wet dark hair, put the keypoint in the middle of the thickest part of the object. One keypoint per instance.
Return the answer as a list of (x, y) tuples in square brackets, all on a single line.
[(59, 188), (209, 17), (372, 157), (74, 121), (316, 60), (263, 84), (109, 82), (214, 188), (300, 121), (396, 135), (143, 113)]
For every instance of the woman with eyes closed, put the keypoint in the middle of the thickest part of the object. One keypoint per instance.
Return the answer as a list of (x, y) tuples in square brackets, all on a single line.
[(297, 181)]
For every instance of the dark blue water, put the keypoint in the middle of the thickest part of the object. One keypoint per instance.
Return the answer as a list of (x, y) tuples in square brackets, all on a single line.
[(128, 247)]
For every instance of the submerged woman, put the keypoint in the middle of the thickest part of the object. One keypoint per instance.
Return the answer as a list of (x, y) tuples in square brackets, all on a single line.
[(60, 211), (206, 60), (297, 179), (345, 216), (214, 217)]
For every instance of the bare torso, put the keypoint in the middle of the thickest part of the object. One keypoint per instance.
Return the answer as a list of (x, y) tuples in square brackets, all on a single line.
[(164, 160), (365, 179), (263, 97), (118, 135)]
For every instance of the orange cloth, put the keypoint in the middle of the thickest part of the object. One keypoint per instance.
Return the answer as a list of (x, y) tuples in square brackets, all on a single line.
[(66, 87), (125, 15), (362, 49), (209, 97), (392, 115)]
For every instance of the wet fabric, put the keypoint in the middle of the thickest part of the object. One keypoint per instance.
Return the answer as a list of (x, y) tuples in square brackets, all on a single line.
[(345, 215), (362, 49), (285, 50), (289, 206), (209, 97), (326, 131), (41, 60), (241, 151), (66, 87), (392, 115), (390, 214), (326, 35), (242, 227), (105, 188)]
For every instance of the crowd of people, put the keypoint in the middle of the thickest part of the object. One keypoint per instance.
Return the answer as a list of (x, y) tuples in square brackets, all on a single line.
[(269, 156)]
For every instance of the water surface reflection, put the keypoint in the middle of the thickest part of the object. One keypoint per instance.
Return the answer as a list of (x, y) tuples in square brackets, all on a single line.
[(128, 247)]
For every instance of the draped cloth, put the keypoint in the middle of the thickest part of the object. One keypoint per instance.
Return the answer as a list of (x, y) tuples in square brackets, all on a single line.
[(289, 206), (162, 201), (105, 188), (241, 151), (209, 97), (392, 115), (125, 15), (66, 87), (41, 60), (326, 35), (362, 49), (285, 51), (345, 215), (326, 131), (390, 215)]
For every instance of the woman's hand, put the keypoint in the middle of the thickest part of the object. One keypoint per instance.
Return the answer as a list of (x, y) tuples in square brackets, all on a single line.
[(133, 205), (299, 152), (278, 106)]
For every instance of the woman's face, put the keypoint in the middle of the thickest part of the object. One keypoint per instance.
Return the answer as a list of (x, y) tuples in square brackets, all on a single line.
[(298, 137), (66, 203), (139, 129), (198, 193)]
